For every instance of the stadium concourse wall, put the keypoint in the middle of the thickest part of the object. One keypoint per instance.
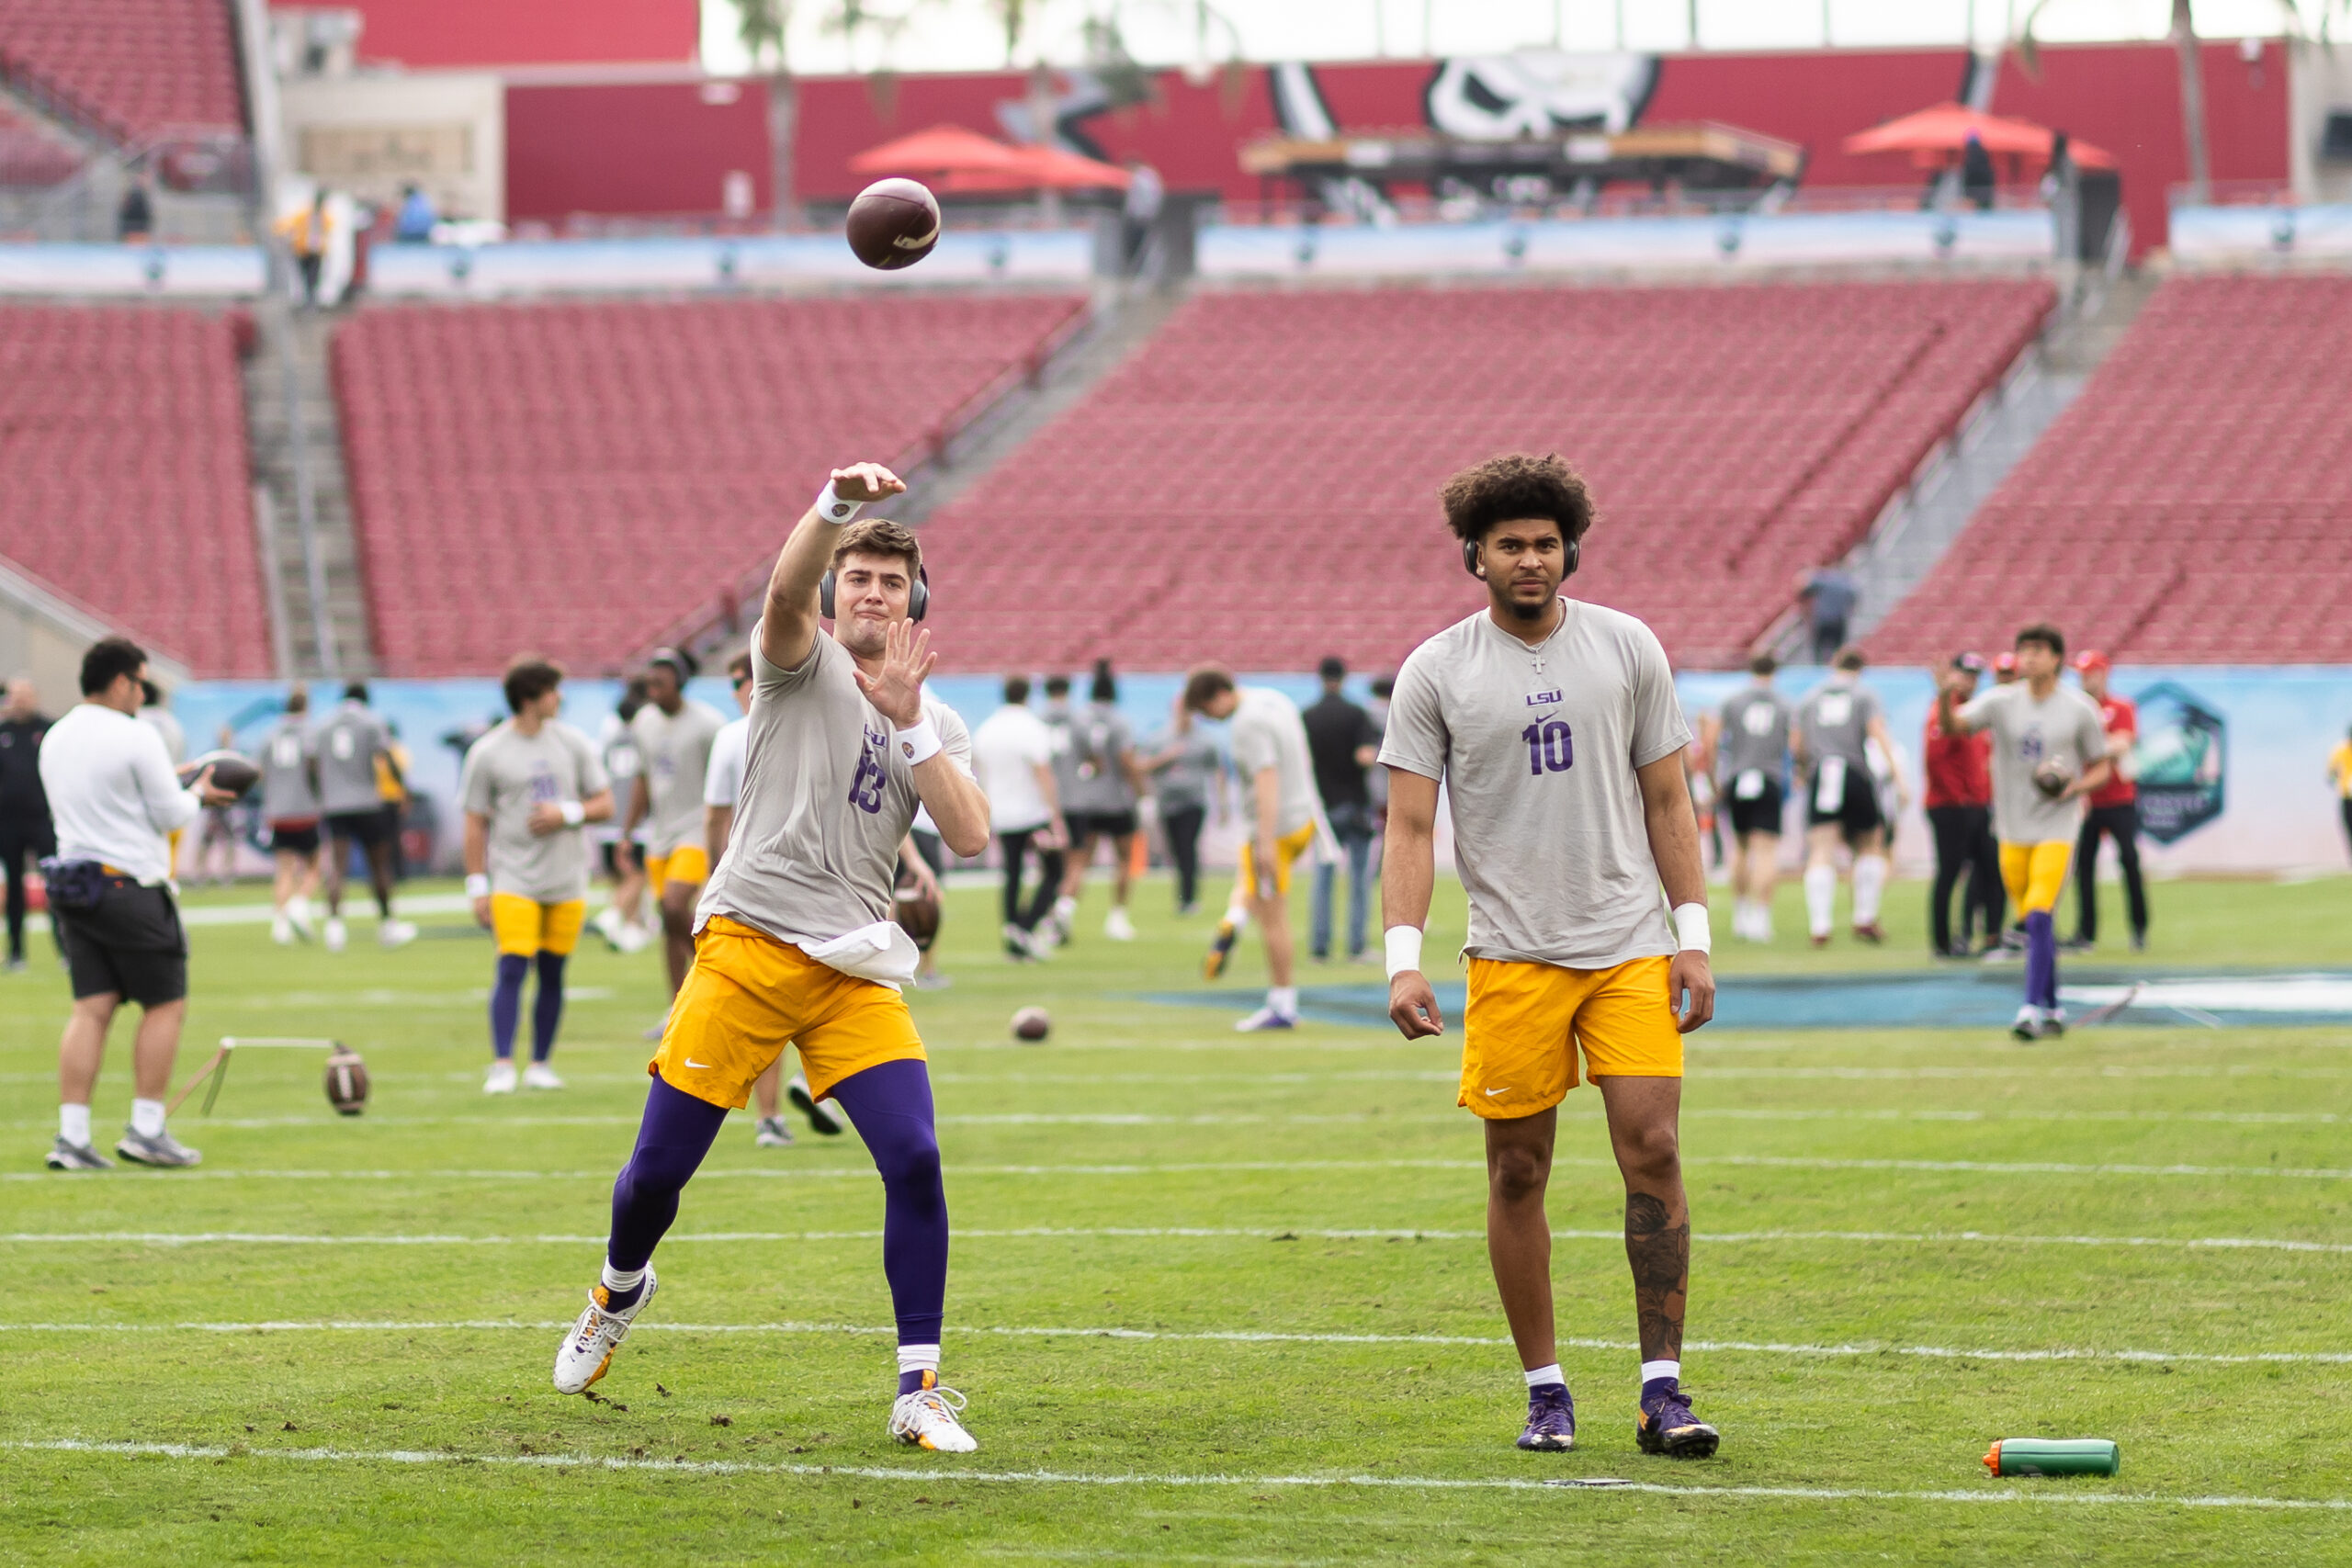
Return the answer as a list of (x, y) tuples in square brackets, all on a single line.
[(2233, 761)]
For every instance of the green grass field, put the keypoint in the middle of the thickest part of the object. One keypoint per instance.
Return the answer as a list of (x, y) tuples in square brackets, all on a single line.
[(1215, 1299)]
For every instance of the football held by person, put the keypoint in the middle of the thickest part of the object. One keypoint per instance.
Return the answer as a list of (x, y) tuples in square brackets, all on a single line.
[(1554, 727), (794, 939)]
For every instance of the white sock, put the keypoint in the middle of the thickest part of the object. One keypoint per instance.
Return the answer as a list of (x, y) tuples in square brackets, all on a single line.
[(146, 1118), (1283, 1000), (1870, 886), (919, 1359), (1820, 897), (1538, 1376), (298, 907), (622, 1279), (1661, 1370), (74, 1124)]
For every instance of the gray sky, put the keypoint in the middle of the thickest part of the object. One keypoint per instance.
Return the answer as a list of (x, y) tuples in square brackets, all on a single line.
[(965, 35)]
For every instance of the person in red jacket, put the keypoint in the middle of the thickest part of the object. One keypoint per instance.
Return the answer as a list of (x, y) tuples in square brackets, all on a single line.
[(1959, 812), (2114, 810)]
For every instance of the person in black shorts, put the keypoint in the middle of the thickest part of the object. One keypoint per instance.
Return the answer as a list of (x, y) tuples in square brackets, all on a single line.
[(1835, 727), (26, 834), (1748, 743)]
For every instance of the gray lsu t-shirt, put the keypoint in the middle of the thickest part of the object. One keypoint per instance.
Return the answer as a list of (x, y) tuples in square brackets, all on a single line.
[(1834, 721), (347, 745), (288, 791), (676, 753), (2063, 727), (825, 802), (506, 773), (1100, 737), (1548, 829), (1267, 732), (1754, 740)]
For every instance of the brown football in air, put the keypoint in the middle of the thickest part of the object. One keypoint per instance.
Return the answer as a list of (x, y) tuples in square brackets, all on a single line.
[(893, 223), (346, 1081)]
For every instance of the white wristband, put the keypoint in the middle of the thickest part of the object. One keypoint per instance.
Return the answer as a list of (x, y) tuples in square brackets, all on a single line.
[(833, 508), (919, 744), (1690, 932), (477, 885), (573, 812), (1404, 943)]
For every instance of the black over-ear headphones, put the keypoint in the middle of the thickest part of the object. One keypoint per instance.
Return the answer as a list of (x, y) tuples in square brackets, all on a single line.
[(1470, 559), (918, 597)]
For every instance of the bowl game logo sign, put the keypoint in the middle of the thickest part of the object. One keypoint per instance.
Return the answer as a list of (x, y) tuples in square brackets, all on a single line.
[(2180, 763)]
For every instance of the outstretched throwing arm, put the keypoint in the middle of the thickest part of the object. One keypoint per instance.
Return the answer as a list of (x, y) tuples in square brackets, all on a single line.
[(789, 624)]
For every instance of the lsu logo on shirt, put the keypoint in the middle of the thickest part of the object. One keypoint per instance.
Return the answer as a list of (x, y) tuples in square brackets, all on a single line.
[(865, 783)]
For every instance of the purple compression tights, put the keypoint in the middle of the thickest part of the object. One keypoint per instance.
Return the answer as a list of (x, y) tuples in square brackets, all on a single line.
[(506, 1004), (891, 1106), (2040, 960)]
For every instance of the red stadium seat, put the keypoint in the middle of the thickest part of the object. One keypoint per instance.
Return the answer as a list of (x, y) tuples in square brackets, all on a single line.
[(130, 69)]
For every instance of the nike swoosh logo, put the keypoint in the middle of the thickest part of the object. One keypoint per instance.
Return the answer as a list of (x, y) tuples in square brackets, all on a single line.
[(1490, 1093), (692, 1063)]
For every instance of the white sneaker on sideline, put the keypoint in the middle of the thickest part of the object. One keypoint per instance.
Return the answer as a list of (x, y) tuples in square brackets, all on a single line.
[(334, 935), (772, 1133), (927, 1418), (539, 1074), (587, 1351), (1264, 1019), (281, 931), (1117, 926), (500, 1080), (395, 933)]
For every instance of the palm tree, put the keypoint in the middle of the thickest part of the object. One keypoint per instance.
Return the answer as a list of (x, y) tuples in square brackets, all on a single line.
[(762, 25)]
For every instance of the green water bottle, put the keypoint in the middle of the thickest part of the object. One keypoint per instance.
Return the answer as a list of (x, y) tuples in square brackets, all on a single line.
[(2053, 1456)]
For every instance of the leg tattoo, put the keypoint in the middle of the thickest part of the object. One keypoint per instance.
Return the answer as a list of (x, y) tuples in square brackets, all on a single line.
[(1660, 1255)]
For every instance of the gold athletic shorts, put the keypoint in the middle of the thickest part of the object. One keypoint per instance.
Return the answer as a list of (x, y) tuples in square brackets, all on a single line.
[(525, 926), (749, 996), (1287, 849), (688, 864), (2035, 874), (1525, 1023)]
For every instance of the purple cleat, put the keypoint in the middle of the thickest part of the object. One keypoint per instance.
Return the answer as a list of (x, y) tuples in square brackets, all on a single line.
[(1666, 1426), (1551, 1419)]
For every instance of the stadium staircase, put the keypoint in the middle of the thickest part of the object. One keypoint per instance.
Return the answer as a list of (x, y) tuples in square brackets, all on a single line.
[(302, 500), (2192, 506)]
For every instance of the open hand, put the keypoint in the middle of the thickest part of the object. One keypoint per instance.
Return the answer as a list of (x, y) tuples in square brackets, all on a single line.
[(866, 481), (896, 689), (1412, 1006)]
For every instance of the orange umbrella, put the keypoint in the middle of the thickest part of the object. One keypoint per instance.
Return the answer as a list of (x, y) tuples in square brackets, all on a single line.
[(959, 161), (943, 149), (1037, 168), (1935, 136)]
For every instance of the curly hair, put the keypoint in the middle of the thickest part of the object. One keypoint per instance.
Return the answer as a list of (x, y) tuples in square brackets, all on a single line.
[(1513, 486)]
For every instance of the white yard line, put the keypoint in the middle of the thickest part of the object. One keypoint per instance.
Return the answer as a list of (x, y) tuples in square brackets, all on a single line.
[(934, 1474)]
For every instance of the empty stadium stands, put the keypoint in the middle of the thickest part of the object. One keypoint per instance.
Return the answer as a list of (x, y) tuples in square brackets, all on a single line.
[(2193, 506), (123, 475), (29, 159), (576, 479), (1258, 483), (127, 69)]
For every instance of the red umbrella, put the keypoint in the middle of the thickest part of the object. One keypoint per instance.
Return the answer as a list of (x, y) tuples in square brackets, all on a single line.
[(1935, 136), (1038, 168), (958, 161)]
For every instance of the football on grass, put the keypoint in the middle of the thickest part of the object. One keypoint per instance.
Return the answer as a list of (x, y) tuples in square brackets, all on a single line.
[(1032, 1024), (229, 771), (893, 223), (346, 1081)]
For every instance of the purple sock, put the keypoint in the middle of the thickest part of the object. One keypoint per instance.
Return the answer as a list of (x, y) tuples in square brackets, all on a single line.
[(671, 1142), (910, 1382), (2040, 960), (1658, 1388), (547, 1008), (506, 1003), (890, 1105)]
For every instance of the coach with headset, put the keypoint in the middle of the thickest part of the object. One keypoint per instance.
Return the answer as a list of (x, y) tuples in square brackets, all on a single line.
[(115, 801)]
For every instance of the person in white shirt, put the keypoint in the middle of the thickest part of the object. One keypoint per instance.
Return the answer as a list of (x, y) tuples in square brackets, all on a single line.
[(1012, 755), (1270, 750), (115, 801)]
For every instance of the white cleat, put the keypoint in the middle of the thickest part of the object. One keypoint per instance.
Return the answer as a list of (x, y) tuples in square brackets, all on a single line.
[(927, 1419), (501, 1079), (396, 933), (587, 1351), (633, 938), (539, 1074), (1265, 1018), (772, 1133), (607, 924), (824, 1115), (281, 931), (1117, 926), (336, 936)]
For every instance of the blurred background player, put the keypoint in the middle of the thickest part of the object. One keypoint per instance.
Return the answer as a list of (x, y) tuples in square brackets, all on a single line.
[(526, 788), (2339, 776), (1960, 814), (1187, 777), (2113, 810), (26, 832), (1061, 730), (922, 871), (1750, 747), (1286, 817), (2044, 733), (155, 712), (351, 743), (621, 921), (1100, 804), (795, 941), (673, 733), (1553, 725), (289, 809), (1345, 744), (1831, 736), (722, 787), (1012, 755)]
